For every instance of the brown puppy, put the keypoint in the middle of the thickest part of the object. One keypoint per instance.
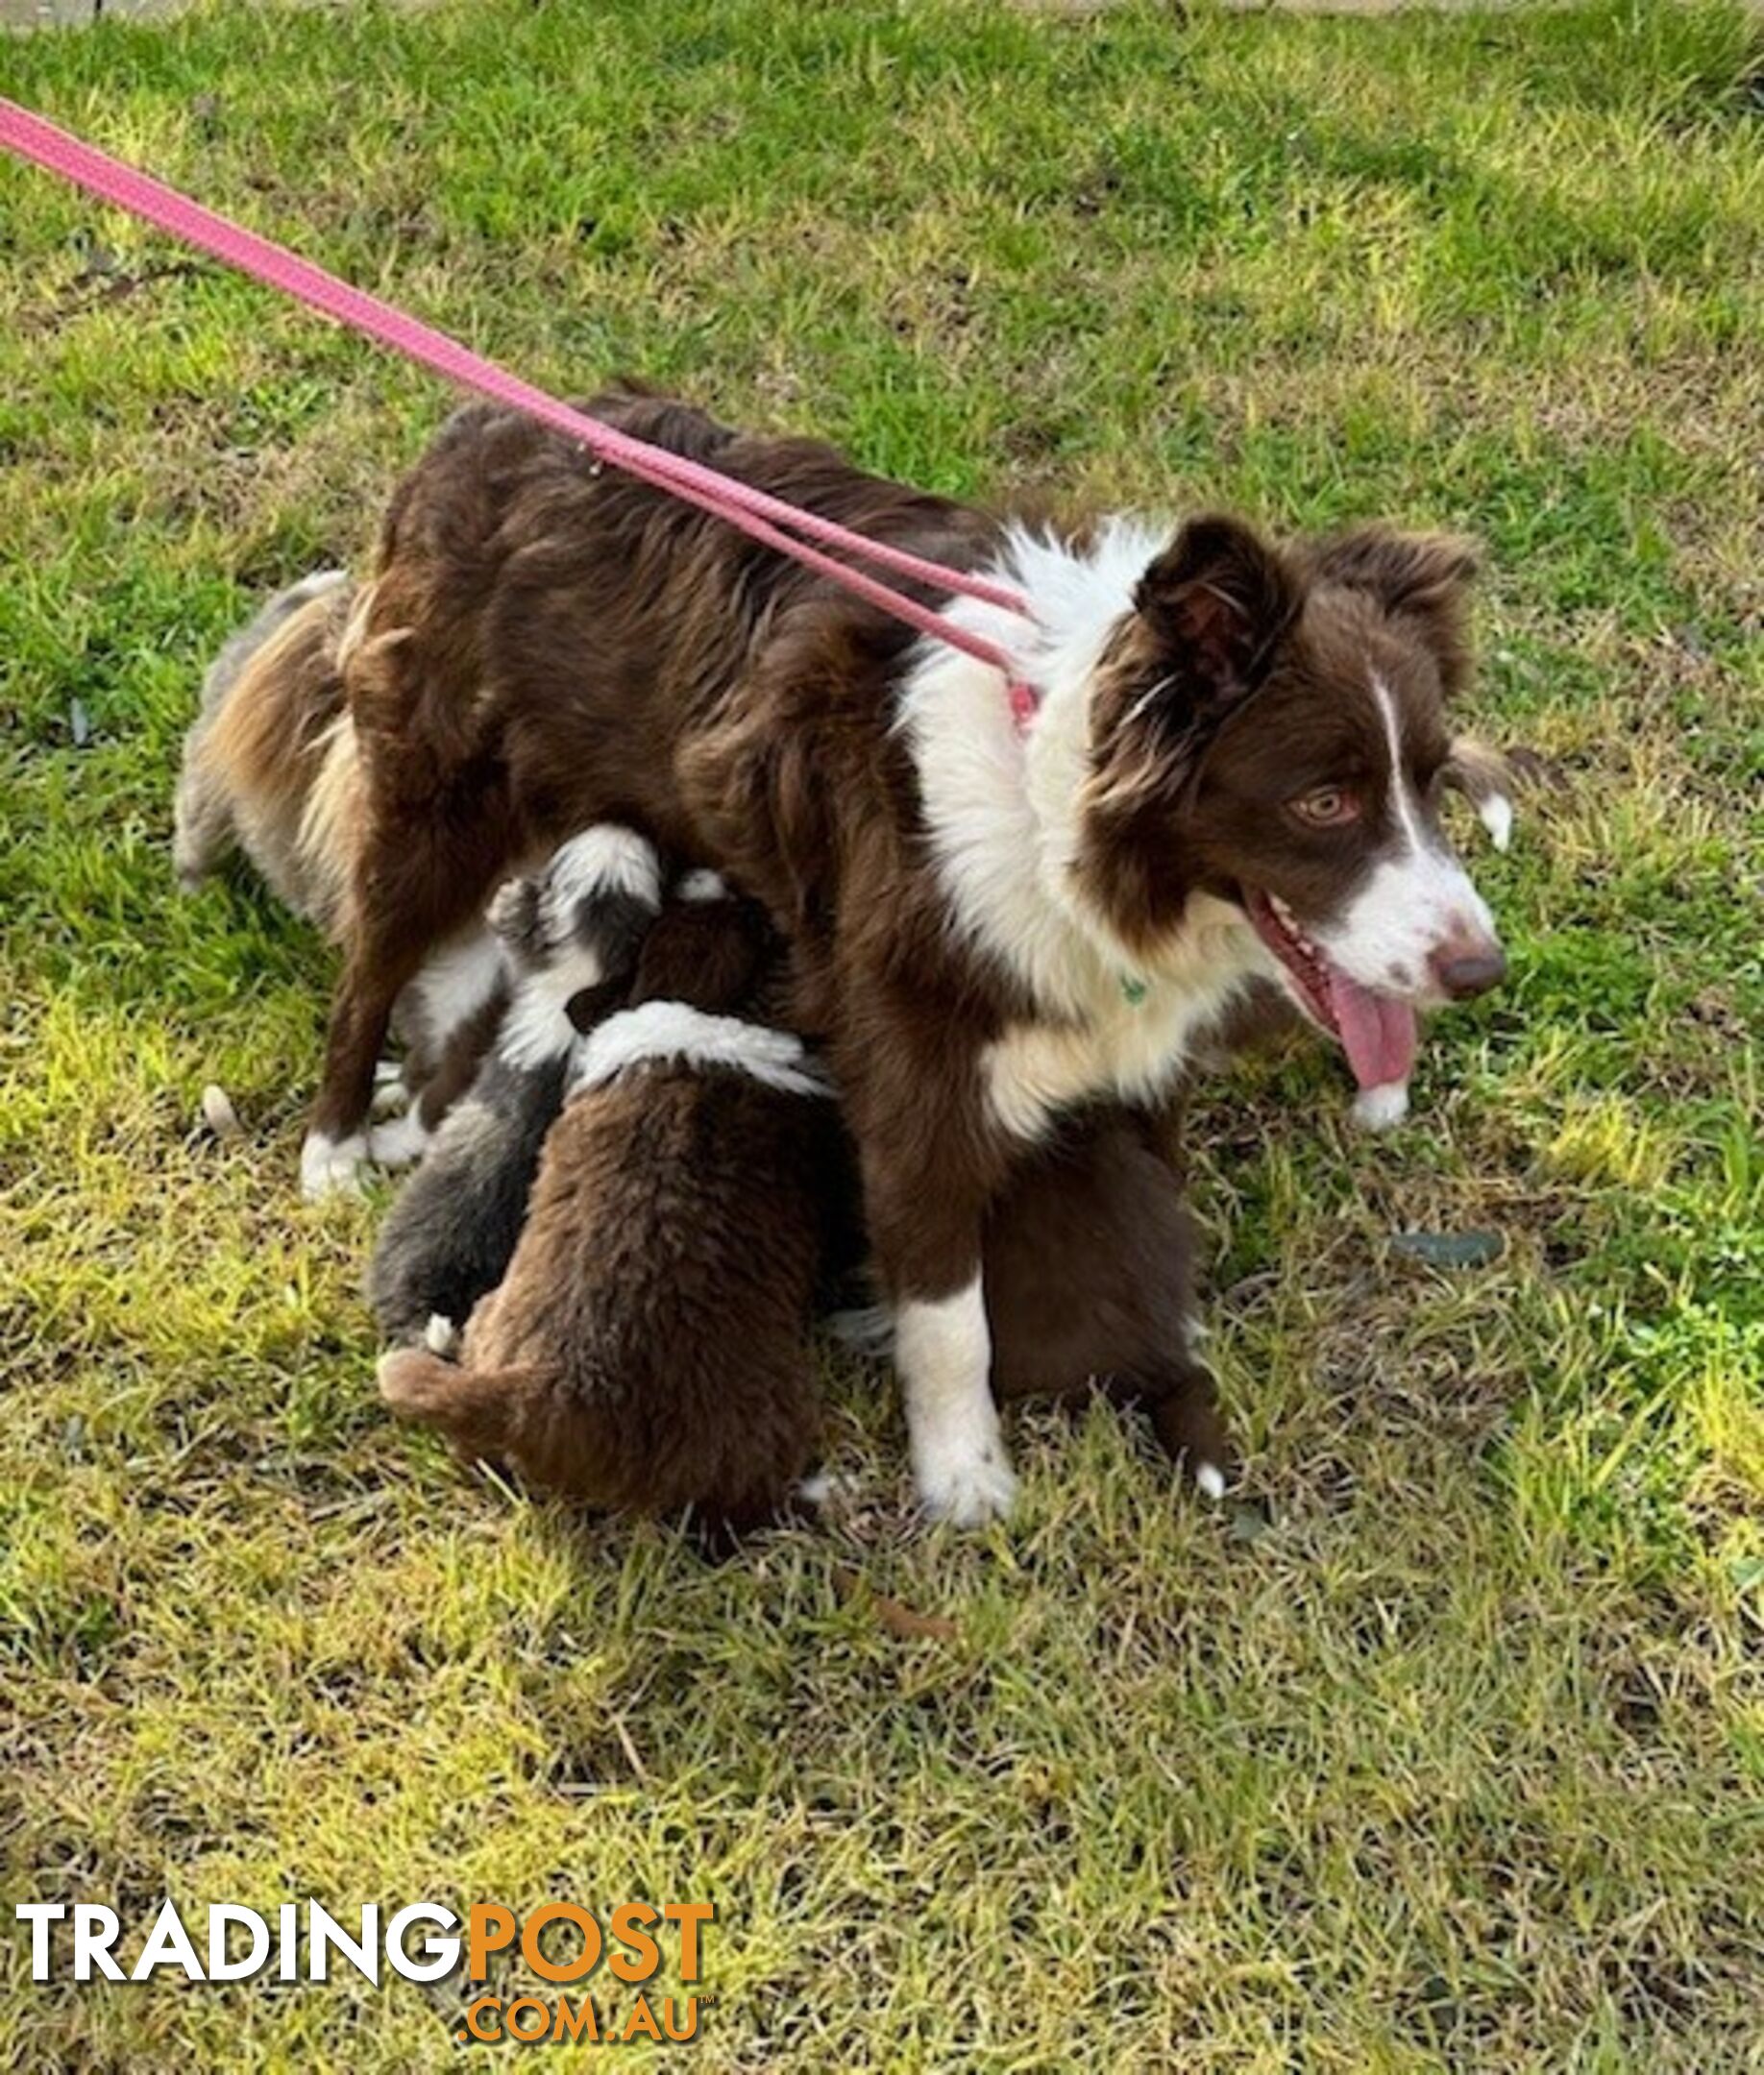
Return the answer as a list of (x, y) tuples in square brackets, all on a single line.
[(1090, 1281), (648, 1346), (1088, 1255), (1089, 1263)]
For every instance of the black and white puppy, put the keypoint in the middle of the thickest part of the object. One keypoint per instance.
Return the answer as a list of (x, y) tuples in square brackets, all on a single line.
[(569, 942), (648, 1348)]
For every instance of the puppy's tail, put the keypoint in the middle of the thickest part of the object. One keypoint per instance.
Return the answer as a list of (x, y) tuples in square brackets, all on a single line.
[(271, 762), (481, 1412)]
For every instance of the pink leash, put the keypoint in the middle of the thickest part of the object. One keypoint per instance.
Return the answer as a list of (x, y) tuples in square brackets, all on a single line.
[(763, 518)]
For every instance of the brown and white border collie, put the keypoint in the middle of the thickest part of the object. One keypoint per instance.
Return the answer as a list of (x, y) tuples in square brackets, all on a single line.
[(1232, 777)]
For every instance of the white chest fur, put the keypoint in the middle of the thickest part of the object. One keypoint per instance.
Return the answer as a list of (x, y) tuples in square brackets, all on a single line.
[(1132, 1051), (1003, 817)]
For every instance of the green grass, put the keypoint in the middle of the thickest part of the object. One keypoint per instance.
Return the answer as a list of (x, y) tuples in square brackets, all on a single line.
[(1457, 1763)]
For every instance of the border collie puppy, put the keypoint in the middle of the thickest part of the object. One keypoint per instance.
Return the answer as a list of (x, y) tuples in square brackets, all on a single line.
[(1089, 1266), (1089, 1261), (571, 941), (1232, 775), (648, 1348)]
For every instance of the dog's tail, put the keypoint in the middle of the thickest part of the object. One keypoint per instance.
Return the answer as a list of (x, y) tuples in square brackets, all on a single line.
[(1487, 777), (481, 1412), (271, 764)]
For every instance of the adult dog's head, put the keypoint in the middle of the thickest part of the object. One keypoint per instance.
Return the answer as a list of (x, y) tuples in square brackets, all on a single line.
[(1269, 727)]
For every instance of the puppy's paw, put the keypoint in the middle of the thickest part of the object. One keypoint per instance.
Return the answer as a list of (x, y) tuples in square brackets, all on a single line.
[(332, 1166), (391, 1090), (966, 1483), (1210, 1480), (823, 1490), (399, 1142), (441, 1336)]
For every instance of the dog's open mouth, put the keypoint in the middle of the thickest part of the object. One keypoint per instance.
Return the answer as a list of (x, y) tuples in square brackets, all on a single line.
[(1376, 1030)]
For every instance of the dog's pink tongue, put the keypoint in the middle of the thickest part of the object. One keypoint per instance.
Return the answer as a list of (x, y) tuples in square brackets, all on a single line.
[(1378, 1035)]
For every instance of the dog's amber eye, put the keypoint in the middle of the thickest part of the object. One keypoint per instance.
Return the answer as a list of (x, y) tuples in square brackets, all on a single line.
[(1328, 807)]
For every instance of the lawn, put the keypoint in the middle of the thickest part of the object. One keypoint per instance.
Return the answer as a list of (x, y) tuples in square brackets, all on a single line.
[(1442, 1747)]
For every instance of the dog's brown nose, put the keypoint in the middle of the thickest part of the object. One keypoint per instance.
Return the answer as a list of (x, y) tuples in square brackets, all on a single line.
[(1468, 965)]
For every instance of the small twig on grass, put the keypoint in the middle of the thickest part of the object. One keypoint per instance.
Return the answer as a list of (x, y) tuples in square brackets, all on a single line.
[(630, 1749), (899, 1620), (112, 290)]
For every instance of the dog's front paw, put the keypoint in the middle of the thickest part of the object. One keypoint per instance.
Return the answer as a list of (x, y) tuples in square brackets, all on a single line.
[(332, 1166), (966, 1482)]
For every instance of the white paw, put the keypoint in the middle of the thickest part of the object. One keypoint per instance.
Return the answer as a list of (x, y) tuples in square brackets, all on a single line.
[(941, 1351), (966, 1485), (440, 1336), (1379, 1108), (398, 1143), (1209, 1481), (391, 1090), (332, 1166), (825, 1488)]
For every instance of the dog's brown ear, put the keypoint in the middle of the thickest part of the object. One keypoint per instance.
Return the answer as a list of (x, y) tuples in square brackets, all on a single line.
[(733, 956), (1216, 603), (1424, 578), (1404, 572)]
